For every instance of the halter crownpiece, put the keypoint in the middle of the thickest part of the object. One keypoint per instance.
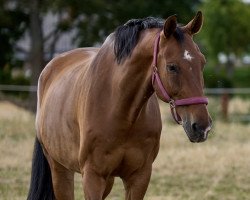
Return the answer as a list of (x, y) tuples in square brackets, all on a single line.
[(173, 103)]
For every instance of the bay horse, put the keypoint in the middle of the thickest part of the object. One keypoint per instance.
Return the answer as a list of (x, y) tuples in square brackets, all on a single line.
[(98, 113)]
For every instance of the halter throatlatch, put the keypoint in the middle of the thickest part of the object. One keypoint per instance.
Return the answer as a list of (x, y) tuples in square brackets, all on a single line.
[(173, 103)]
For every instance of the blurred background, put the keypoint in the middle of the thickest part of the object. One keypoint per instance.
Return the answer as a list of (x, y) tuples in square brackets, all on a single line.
[(32, 32)]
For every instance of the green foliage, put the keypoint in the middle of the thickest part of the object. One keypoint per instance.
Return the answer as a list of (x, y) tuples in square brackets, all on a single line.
[(92, 19), (95, 19), (241, 77), (5, 75), (218, 79), (226, 27), (13, 23)]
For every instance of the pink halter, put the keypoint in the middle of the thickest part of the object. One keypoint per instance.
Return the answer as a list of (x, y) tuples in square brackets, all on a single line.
[(173, 103)]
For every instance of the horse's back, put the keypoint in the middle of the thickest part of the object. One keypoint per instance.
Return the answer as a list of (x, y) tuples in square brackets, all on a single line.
[(68, 61)]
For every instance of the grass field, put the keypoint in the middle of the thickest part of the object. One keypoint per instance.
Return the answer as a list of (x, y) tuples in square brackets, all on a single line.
[(218, 169)]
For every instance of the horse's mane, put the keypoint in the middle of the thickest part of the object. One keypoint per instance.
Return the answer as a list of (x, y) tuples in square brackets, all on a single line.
[(127, 35)]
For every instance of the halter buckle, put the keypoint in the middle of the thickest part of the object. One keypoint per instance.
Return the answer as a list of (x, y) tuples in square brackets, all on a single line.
[(172, 103), (155, 70)]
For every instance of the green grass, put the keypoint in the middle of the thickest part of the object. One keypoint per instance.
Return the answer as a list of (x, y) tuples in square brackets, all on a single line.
[(217, 169)]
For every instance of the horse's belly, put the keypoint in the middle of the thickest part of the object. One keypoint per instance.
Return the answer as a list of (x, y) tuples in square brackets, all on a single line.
[(60, 85), (60, 140), (58, 126)]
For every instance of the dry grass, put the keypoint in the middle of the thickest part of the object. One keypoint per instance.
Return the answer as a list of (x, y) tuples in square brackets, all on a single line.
[(216, 169)]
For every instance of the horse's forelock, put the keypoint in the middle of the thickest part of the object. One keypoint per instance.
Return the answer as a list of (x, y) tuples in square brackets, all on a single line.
[(179, 35)]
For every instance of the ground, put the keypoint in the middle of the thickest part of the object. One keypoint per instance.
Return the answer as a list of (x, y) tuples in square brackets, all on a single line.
[(215, 169)]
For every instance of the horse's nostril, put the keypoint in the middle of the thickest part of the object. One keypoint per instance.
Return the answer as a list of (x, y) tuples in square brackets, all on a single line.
[(199, 129), (195, 127)]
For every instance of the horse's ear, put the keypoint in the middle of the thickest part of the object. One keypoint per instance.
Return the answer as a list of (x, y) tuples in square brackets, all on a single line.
[(170, 26), (194, 26)]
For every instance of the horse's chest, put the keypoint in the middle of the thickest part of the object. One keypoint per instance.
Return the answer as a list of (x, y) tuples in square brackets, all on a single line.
[(124, 157)]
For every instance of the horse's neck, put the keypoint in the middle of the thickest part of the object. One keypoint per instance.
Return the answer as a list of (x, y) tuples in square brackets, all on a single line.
[(123, 89)]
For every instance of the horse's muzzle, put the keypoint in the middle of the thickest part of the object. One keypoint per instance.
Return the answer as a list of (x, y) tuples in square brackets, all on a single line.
[(197, 132)]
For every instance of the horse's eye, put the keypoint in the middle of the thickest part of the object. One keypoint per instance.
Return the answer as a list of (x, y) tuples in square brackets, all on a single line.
[(172, 68)]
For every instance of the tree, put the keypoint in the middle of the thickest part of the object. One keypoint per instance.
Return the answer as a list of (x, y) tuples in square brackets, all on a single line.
[(93, 20), (13, 23), (226, 29)]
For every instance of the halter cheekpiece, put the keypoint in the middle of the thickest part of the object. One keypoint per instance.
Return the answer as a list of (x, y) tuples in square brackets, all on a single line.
[(173, 103)]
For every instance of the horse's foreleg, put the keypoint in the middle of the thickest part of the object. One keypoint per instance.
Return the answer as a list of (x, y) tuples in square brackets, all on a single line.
[(95, 186), (136, 185), (109, 185), (63, 181)]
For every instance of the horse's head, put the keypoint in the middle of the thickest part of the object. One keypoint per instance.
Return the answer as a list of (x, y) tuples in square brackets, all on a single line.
[(179, 66)]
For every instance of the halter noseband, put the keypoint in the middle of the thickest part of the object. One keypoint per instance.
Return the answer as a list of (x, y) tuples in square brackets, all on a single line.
[(173, 103)]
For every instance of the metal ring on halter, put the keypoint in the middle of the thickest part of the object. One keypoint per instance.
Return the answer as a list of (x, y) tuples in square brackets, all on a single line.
[(175, 115), (171, 103), (155, 69)]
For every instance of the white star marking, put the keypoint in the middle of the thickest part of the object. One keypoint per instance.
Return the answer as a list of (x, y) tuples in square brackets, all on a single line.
[(187, 55)]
